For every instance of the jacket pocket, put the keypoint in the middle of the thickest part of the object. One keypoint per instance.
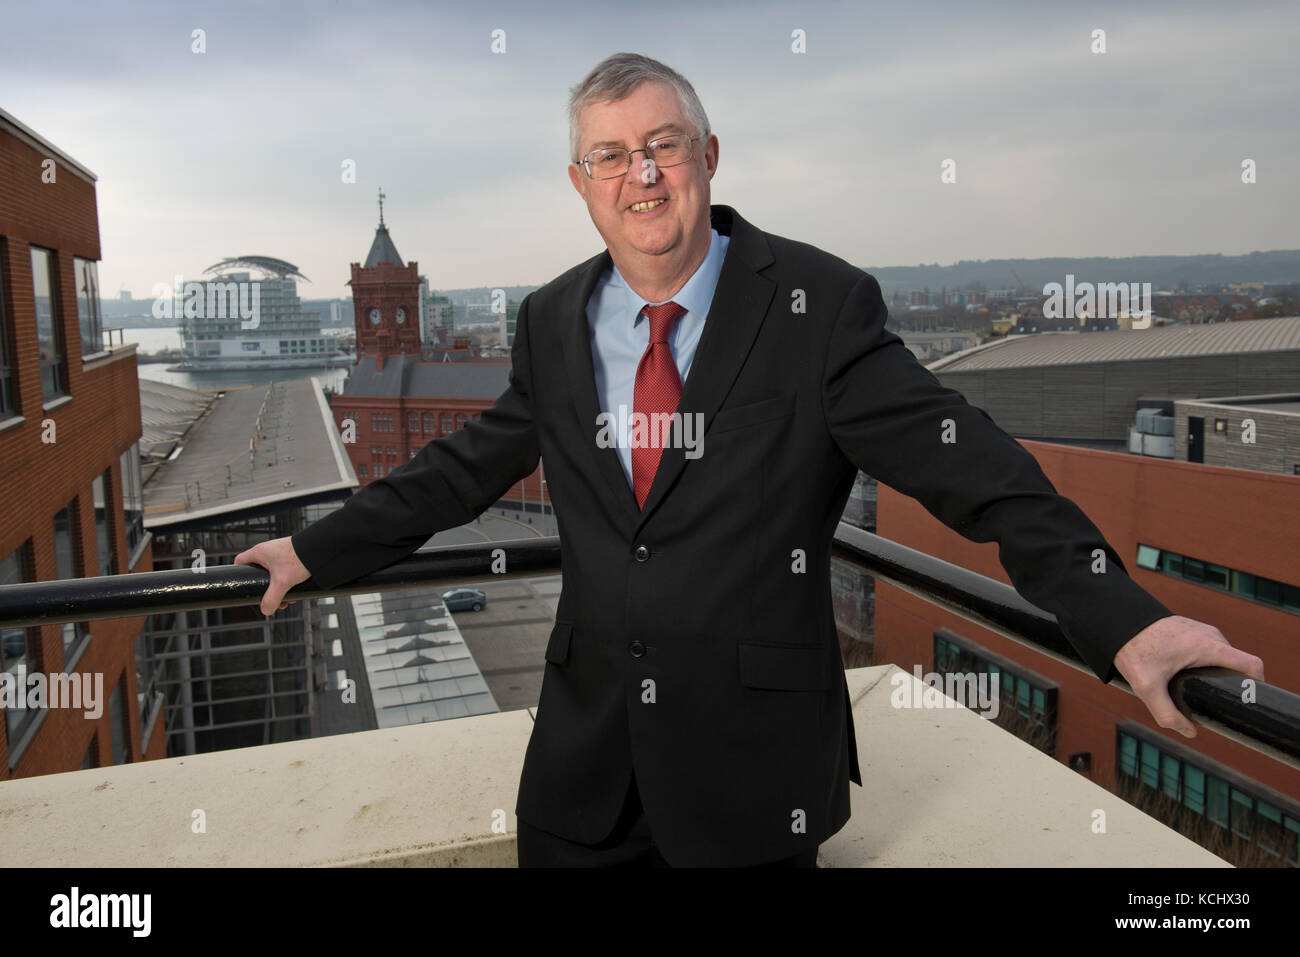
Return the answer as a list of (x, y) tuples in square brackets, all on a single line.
[(557, 648), (783, 667), (738, 417)]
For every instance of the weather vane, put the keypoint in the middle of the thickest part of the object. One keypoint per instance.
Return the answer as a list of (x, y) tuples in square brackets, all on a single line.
[(381, 206)]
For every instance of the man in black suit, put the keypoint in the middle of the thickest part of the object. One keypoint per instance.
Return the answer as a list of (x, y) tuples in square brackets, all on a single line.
[(694, 710)]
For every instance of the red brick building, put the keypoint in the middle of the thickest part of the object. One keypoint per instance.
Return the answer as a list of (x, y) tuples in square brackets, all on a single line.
[(404, 393), (1214, 544), (69, 467)]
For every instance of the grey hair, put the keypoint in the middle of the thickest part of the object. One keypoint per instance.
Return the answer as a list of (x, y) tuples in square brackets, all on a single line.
[(615, 77)]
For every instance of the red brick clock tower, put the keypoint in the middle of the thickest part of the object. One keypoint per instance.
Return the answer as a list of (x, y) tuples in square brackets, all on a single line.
[(386, 300)]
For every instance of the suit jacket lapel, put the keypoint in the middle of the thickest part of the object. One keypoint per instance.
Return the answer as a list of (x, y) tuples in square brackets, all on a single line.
[(740, 304), (576, 340)]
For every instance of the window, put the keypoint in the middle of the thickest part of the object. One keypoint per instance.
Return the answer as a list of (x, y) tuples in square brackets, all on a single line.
[(362, 470), (103, 527), (1242, 584), (460, 420), (49, 329), (391, 450), (118, 724), (8, 400), (17, 646), (67, 564), (429, 422), (132, 500), (146, 677), (446, 421), (92, 754), (413, 422), (1201, 791), (1035, 703), (86, 272)]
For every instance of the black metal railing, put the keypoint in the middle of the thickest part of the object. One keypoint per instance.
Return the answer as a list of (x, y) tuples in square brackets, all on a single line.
[(1272, 719), (1213, 694)]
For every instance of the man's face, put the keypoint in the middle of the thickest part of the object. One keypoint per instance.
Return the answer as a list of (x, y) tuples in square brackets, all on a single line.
[(650, 111)]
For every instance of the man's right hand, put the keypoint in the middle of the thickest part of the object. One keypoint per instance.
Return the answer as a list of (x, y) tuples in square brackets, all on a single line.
[(278, 557)]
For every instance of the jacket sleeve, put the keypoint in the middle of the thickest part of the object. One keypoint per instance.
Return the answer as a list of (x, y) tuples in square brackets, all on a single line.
[(889, 414), (447, 483)]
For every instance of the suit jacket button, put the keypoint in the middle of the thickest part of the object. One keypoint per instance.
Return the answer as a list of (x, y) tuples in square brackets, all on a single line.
[(642, 553), (637, 649)]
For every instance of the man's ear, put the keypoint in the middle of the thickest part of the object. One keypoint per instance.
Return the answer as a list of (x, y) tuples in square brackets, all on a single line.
[(578, 180), (711, 155)]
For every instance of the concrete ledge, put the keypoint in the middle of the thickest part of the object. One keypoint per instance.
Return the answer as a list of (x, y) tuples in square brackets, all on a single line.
[(943, 787), (423, 795)]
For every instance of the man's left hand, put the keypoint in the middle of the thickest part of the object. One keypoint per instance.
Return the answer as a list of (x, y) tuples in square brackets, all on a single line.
[(1167, 646)]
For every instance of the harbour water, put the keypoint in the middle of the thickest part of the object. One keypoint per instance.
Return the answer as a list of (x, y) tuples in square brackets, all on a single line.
[(153, 340)]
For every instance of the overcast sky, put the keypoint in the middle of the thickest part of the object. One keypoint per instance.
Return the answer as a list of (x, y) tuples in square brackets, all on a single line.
[(1059, 151)]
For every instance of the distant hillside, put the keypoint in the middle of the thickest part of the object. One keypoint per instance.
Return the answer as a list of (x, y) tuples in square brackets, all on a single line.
[(1163, 272)]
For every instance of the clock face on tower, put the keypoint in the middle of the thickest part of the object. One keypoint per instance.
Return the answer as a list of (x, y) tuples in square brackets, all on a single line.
[(374, 316), (401, 315)]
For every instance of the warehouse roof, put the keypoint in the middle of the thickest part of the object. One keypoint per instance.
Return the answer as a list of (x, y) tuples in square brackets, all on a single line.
[(253, 449), (1071, 348)]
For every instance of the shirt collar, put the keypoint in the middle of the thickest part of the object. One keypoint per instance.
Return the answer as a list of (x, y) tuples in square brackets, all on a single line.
[(696, 296)]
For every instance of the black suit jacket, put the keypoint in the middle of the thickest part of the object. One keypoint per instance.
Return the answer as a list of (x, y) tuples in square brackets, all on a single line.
[(690, 643)]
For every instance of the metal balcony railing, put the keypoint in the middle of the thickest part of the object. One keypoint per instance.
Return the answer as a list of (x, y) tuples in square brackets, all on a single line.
[(1270, 723)]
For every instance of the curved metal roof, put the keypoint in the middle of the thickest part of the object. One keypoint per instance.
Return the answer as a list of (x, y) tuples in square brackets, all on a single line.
[(1073, 348), (276, 267)]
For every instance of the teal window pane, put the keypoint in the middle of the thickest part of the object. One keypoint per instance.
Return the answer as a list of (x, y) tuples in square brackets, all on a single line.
[(1040, 702), (1169, 769), (1291, 597), (1194, 788), (1216, 575), (1271, 834), (1243, 807), (1148, 557), (1216, 792), (1171, 563), (1243, 583), (1128, 754), (1268, 590), (1150, 765), (1194, 569), (1292, 840)]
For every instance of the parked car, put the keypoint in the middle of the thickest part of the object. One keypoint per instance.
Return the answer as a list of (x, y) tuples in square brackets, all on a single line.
[(459, 599)]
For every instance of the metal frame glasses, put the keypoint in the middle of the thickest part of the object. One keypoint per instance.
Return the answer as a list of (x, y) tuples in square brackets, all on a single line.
[(610, 154)]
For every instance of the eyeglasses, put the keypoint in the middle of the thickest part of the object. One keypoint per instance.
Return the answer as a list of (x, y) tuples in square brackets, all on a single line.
[(664, 152)]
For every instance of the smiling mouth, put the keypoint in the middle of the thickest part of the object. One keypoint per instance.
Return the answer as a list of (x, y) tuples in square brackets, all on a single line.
[(646, 206)]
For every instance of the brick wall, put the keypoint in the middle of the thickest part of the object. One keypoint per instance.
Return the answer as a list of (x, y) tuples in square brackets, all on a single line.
[(90, 430)]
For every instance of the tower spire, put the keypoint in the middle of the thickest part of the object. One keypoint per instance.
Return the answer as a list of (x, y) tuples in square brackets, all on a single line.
[(381, 206)]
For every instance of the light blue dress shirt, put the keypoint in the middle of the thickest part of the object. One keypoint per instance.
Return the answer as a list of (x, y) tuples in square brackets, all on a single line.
[(620, 333)]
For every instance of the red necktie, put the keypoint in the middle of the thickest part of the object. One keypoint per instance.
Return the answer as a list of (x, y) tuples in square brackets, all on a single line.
[(658, 388)]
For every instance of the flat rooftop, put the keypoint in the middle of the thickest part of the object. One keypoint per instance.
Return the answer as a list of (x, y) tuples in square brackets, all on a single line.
[(254, 447), (1282, 402), (167, 412), (1162, 342)]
